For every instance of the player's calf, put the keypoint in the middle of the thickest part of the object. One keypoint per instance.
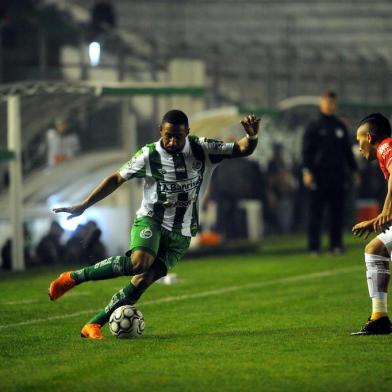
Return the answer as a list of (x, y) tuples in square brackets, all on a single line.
[(377, 261), (115, 266), (105, 269), (141, 261)]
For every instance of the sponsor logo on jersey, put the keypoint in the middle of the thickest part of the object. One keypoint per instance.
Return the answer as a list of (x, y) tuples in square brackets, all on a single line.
[(179, 186), (146, 233), (178, 203), (384, 149), (162, 171)]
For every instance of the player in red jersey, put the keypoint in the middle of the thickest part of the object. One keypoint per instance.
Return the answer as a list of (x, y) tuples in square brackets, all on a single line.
[(375, 142)]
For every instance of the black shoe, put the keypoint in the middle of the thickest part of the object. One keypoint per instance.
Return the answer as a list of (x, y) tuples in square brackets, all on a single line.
[(381, 326)]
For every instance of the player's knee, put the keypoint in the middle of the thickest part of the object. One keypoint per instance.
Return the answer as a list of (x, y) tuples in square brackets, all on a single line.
[(149, 277), (141, 261), (376, 247), (160, 272)]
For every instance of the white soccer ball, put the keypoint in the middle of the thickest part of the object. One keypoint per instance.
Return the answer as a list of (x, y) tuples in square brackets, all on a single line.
[(126, 322)]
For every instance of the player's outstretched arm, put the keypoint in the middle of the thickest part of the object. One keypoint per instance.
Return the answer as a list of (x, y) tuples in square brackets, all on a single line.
[(105, 188), (247, 145)]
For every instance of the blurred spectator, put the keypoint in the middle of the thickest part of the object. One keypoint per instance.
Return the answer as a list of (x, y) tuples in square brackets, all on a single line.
[(61, 143), (94, 249), (74, 247), (276, 163), (327, 154), (281, 188), (49, 249), (6, 250), (246, 184), (85, 245)]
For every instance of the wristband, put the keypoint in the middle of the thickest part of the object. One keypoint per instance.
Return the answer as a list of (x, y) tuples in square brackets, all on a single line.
[(254, 137)]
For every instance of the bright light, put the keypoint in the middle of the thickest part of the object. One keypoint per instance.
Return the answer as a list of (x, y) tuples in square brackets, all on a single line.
[(94, 51), (72, 224)]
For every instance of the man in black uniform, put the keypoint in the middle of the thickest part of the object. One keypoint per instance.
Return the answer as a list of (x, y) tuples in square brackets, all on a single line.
[(327, 154)]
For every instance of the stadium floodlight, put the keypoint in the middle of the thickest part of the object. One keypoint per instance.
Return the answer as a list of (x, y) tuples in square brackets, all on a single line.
[(94, 51)]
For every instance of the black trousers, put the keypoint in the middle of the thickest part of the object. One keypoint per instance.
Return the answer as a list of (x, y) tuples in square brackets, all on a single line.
[(326, 199), (229, 218)]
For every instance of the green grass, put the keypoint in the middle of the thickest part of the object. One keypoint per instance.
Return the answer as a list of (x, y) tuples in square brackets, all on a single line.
[(280, 334)]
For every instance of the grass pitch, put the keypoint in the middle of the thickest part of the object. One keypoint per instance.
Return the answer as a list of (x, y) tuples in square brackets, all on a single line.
[(276, 321)]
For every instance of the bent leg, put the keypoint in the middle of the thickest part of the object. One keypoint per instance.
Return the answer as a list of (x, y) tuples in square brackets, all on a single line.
[(145, 239), (106, 269), (143, 281), (377, 260), (112, 267), (141, 261), (131, 293)]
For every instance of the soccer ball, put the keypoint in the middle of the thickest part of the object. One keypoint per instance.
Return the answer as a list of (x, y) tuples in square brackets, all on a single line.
[(126, 322)]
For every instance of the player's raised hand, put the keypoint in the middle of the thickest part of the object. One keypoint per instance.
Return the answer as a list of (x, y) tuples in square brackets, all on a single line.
[(251, 124), (74, 211), (363, 229)]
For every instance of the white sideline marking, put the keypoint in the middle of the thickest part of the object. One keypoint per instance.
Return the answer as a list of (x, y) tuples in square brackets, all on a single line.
[(37, 300), (296, 278)]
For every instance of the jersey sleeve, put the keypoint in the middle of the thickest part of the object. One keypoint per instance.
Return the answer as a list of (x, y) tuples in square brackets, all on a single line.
[(216, 150), (387, 155), (135, 167)]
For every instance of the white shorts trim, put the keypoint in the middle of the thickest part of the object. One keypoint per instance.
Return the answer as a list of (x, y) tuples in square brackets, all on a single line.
[(386, 239)]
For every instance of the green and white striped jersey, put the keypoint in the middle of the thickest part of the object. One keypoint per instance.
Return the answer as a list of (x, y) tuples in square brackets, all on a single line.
[(174, 183)]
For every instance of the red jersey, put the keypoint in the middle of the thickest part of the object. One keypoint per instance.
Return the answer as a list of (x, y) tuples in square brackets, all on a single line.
[(384, 155)]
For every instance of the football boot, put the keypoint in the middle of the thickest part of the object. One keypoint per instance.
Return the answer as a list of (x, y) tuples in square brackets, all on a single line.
[(61, 285), (381, 326), (92, 331)]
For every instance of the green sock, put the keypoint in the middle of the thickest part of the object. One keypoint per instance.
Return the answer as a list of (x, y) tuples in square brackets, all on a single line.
[(105, 269), (126, 296)]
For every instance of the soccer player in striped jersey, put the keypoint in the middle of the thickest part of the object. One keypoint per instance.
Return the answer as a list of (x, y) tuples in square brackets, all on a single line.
[(375, 142), (176, 170)]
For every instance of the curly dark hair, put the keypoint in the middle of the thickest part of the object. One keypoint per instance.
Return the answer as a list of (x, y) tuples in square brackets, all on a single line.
[(176, 117)]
